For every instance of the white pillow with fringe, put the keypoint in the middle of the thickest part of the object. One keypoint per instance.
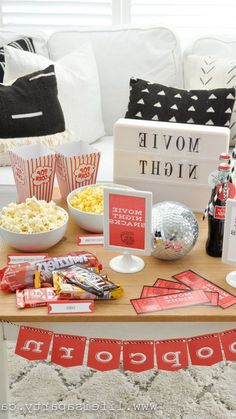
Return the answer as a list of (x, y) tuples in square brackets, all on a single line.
[(7, 144)]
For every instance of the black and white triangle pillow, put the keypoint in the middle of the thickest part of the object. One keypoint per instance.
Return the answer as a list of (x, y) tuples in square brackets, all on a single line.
[(25, 44), (156, 102)]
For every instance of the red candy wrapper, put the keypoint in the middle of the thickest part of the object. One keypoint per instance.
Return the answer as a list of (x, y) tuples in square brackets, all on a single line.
[(34, 298), (22, 275), (166, 302), (196, 282)]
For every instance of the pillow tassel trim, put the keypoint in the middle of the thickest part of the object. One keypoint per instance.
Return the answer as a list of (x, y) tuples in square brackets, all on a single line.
[(7, 144)]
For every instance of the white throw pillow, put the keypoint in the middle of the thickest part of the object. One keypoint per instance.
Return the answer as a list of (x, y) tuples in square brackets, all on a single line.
[(206, 72), (78, 87)]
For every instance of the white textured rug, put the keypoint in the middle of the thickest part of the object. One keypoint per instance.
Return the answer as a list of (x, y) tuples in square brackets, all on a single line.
[(196, 393)]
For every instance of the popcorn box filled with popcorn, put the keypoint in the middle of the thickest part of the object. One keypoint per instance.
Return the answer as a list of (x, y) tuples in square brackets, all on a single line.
[(77, 165), (34, 171)]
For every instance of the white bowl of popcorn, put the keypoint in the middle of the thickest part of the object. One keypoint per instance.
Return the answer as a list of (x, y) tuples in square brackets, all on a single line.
[(85, 205), (33, 225)]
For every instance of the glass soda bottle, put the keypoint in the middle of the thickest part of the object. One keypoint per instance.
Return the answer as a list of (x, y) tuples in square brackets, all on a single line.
[(223, 190)]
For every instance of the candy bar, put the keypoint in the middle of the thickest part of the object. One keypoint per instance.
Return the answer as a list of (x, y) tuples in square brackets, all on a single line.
[(195, 281), (68, 291), (86, 279), (166, 302), (34, 298), (23, 275)]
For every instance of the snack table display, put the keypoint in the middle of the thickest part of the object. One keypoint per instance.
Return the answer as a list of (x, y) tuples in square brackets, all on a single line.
[(117, 318)]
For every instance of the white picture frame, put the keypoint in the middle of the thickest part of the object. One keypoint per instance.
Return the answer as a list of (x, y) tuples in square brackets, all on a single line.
[(229, 241), (147, 196)]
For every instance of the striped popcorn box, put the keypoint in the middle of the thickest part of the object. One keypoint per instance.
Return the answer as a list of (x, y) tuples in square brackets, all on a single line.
[(34, 169), (77, 165)]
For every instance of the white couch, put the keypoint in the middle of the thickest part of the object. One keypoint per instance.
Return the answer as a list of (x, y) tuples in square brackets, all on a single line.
[(149, 53)]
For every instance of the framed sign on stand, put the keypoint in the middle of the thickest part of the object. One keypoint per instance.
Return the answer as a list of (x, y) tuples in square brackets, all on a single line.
[(229, 244), (127, 227)]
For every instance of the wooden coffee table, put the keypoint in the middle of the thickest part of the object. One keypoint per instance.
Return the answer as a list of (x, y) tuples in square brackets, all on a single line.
[(117, 319)]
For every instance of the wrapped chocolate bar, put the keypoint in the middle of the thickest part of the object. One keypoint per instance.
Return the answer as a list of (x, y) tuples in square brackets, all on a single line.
[(35, 298), (39, 274), (82, 287), (86, 279)]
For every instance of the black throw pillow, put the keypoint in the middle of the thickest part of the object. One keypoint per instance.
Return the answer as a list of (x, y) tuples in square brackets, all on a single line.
[(30, 106), (25, 44), (153, 101)]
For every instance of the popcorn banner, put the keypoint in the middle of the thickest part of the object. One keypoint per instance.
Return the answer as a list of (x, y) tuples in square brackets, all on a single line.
[(138, 355), (105, 354), (172, 354), (68, 350)]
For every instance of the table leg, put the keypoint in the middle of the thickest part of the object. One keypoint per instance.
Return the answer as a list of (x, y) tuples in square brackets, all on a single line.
[(4, 384)]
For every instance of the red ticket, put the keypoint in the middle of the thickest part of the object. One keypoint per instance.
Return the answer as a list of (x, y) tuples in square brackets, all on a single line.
[(164, 283), (155, 291), (196, 282), (166, 302), (213, 297)]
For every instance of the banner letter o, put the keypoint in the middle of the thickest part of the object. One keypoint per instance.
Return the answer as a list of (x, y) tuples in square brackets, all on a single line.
[(208, 354), (107, 356)]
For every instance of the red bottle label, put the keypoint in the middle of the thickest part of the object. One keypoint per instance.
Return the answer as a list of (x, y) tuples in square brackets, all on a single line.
[(219, 212), (230, 192)]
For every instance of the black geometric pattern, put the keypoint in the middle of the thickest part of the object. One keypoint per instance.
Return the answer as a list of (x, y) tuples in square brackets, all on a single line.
[(156, 102), (25, 44)]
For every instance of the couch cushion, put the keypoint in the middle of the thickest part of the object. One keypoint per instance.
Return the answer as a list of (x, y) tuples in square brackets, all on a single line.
[(105, 171), (151, 53)]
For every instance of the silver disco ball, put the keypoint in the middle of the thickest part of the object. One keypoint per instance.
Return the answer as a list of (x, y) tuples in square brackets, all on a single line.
[(174, 229)]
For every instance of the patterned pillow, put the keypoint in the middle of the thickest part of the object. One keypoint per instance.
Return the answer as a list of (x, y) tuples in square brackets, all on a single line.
[(152, 101), (205, 72), (25, 44), (30, 106)]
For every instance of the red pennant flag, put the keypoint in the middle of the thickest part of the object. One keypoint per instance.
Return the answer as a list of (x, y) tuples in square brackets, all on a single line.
[(33, 344), (68, 350), (103, 354), (205, 349), (138, 355), (172, 354), (228, 342)]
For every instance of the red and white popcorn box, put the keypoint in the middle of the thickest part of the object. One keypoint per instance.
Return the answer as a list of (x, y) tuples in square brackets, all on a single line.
[(34, 169), (77, 165)]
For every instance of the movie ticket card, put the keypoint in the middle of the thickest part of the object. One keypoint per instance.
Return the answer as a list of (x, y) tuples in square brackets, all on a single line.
[(197, 282), (167, 302), (148, 291), (164, 283), (213, 297)]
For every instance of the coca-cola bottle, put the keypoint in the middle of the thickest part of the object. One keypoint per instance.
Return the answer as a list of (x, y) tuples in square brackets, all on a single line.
[(223, 190)]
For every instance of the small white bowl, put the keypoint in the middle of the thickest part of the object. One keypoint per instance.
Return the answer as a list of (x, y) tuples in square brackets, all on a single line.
[(88, 220), (35, 242)]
